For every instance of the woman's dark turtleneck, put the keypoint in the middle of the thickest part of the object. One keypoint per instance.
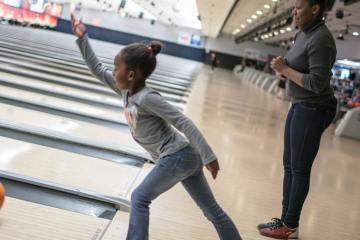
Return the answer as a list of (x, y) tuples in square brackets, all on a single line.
[(313, 54), (313, 24)]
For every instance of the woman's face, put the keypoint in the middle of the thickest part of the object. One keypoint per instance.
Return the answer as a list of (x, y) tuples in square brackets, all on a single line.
[(304, 13), (122, 75)]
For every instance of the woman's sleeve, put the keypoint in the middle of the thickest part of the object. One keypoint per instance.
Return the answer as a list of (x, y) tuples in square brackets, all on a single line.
[(97, 68), (156, 104), (322, 55)]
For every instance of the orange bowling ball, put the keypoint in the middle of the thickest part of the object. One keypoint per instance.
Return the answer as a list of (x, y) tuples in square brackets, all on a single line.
[(2, 194)]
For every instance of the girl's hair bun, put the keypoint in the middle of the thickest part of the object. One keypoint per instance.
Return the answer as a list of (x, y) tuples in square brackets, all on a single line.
[(155, 47)]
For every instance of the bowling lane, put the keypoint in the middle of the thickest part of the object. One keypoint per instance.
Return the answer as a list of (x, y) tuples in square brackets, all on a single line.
[(171, 78), (14, 49), (66, 73), (25, 220), (12, 66), (113, 101), (119, 138), (182, 68), (50, 64), (66, 168), (39, 49), (37, 65), (27, 96)]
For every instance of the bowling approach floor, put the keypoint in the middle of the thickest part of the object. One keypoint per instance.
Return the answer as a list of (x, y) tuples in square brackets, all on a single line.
[(245, 126)]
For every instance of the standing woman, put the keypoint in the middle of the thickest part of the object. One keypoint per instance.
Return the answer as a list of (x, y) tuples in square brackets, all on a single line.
[(307, 67)]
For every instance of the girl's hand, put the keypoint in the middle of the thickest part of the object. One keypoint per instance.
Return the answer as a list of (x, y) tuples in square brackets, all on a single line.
[(214, 168), (279, 64), (78, 27)]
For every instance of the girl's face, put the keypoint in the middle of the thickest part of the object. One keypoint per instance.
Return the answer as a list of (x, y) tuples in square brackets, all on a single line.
[(304, 13), (122, 75)]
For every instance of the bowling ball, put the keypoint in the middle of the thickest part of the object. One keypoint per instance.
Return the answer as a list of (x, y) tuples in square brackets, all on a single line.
[(2, 194), (357, 104)]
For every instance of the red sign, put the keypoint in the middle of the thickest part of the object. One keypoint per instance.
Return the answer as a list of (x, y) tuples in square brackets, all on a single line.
[(24, 15)]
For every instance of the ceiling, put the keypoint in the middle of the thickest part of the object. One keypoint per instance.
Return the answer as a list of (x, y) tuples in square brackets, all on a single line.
[(185, 13), (347, 26), (244, 11), (213, 14), (234, 17), (173, 12), (247, 8), (352, 19)]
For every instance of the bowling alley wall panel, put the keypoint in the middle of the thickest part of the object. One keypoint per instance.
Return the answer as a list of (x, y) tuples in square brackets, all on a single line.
[(123, 38)]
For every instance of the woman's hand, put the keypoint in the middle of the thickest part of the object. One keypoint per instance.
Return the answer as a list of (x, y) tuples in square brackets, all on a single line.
[(78, 27), (279, 64), (282, 69), (280, 76), (213, 168)]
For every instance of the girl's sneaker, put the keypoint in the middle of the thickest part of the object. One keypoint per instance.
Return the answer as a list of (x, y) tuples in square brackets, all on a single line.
[(275, 222), (280, 232)]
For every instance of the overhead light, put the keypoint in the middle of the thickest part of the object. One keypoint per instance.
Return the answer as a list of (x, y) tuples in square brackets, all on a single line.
[(276, 33), (266, 36), (243, 26), (267, 6), (236, 31), (355, 33), (288, 29), (259, 12), (270, 34), (256, 39), (254, 16), (274, 0), (282, 31), (249, 20)]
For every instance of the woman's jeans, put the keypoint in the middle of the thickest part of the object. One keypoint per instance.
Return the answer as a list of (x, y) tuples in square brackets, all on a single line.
[(184, 166), (305, 125)]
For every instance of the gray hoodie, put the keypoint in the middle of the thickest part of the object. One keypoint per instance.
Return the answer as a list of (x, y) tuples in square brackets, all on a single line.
[(151, 118)]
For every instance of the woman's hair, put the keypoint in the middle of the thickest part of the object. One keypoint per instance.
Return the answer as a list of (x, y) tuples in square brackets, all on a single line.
[(140, 57), (324, 5)]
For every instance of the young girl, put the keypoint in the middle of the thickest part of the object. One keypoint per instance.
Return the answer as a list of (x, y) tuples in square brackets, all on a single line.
[(150, 118)]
